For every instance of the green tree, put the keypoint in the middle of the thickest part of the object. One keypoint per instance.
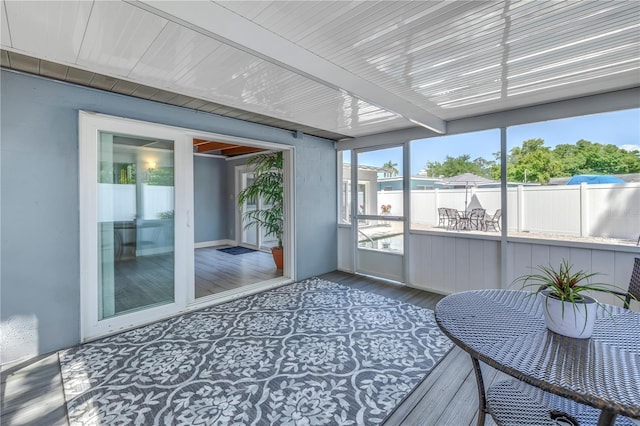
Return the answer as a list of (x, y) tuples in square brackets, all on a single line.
[(390, 169), (540, 163), (534, 161), (452, 166), (587, 157)]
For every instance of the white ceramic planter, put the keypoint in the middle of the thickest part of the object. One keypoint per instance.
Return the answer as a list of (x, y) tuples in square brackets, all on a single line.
[(571, 320)]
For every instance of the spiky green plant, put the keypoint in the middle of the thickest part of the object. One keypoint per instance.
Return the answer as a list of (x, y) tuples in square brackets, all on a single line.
[(267, 185), (566, 285)]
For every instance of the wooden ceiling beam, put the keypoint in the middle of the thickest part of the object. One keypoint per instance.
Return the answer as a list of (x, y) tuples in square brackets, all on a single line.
[(214, 146), (239, 150)]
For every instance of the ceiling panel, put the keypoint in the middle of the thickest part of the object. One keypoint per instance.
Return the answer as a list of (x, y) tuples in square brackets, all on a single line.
[(5, 37), (231, 29), (117, 36), (458, 54), (38, 27), (238, 79), (172, 54)]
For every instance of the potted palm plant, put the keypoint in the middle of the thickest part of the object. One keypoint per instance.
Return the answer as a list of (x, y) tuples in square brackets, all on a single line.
[(267, 185), (567, 310)]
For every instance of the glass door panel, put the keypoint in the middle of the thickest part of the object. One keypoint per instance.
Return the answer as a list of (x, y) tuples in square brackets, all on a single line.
[(249, 234), (136, 227), (254, 234), (380, 224)]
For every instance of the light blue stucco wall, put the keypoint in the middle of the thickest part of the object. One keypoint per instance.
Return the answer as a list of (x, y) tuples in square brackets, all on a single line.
[(40, 230), (210, 199)]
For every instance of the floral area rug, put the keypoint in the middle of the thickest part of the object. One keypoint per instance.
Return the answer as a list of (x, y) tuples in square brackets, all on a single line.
[(310, 353)]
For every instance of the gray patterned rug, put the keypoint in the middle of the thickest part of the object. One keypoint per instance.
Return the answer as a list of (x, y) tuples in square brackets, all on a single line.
[(310, 353)]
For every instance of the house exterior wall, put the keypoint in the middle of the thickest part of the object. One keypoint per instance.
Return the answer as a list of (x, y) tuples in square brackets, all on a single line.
[(40, 231)]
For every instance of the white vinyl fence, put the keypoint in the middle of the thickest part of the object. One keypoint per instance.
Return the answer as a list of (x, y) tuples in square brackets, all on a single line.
[(607, 210)]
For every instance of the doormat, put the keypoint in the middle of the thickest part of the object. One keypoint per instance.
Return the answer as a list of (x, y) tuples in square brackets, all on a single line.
[(236, 250), (314, 352)]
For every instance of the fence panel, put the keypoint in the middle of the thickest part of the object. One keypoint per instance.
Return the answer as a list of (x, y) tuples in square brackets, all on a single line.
[(550, 210), (608, 211)]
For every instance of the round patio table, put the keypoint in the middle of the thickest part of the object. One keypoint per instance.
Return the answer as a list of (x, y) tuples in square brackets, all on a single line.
[(506, 330)]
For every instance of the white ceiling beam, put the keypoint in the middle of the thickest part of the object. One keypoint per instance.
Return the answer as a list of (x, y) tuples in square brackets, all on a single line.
[(587, 105), (221, 24)]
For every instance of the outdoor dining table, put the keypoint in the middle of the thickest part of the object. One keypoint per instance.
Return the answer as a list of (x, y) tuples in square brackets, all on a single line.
[(464, 220), (506, 330)]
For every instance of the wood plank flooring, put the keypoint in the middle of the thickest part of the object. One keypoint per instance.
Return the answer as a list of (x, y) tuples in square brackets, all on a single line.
[(217, 271), (31, 392), (149, 280)]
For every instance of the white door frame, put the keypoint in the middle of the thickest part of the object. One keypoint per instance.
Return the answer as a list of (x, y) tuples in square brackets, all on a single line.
[(184, 288), (238, 172), (374, 262), (90, 125)]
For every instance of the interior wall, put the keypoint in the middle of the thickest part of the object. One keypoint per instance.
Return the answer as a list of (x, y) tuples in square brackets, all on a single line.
[(210, 199), (40, 276)]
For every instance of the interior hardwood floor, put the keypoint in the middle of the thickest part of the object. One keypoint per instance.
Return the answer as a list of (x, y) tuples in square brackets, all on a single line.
[(149, 280), (31, 391), (143, 281), (217, 271)]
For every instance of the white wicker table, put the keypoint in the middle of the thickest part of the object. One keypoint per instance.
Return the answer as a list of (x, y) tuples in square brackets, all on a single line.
[(505, 329)]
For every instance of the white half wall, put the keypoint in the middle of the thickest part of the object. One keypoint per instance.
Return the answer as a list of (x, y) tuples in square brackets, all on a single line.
[(450, 262)]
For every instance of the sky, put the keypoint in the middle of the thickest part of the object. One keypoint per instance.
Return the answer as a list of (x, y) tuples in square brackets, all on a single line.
[(620, 128)]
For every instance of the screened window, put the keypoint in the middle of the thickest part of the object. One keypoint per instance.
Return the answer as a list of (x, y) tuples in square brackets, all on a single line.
[(458, 173), (576, 178)]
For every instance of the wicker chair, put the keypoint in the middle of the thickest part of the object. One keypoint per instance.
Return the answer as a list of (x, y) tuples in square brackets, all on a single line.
[(634, 285), (514, 403)]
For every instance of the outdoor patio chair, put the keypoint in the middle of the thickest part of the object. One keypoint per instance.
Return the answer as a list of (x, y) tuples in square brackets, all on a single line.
[(442, 217), (453, 220), (634, 285), (492, 221), (476, 219)]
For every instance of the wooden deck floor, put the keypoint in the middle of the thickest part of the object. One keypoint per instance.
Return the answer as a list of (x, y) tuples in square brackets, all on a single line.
[(32, 391)]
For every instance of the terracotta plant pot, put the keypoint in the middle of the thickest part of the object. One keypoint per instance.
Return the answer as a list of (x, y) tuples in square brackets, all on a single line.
[(572, 320), (278, 256)]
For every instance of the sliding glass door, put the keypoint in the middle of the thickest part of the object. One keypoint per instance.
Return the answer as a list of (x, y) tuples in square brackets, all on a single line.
[(136, 205), (136, 192), (137, 235)]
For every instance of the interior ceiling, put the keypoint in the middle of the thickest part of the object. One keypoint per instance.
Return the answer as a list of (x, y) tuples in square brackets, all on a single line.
[(334, 69), (202, 146)]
